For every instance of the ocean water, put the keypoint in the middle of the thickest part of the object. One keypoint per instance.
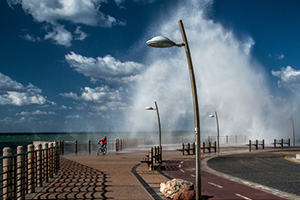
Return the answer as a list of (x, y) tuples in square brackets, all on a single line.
[(13, 140)]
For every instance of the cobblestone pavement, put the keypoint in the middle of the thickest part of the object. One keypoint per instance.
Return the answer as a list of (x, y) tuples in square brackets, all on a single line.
[(76, 181), (269, 168)]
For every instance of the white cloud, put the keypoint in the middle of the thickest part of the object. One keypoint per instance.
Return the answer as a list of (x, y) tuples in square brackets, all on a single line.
[(16, 94), (7, 84), (97, 95), (289, 79), (81, 35), (276, 56), (60, 36), (37, 112), (107, 68), (54, 12), (31, 38), (72, 117)]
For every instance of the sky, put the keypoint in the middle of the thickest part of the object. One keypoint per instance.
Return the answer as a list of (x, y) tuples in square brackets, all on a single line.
[(83, 65)]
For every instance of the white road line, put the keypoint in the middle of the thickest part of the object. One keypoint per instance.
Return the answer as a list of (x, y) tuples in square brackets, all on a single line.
[(216, 185), (182, 170), (192, 175), (179, 165), (239, 195)]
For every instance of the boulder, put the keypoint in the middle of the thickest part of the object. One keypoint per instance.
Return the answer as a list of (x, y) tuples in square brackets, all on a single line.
[(172, 187), (187, 193)]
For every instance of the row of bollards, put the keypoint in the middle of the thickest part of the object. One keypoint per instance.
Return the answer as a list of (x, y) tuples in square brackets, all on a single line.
[(190, 149), (281, 142), (256, 143), (25, 171)]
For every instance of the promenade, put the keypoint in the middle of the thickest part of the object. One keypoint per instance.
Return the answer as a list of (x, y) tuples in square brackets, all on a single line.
[(113, 176), (122, 176)]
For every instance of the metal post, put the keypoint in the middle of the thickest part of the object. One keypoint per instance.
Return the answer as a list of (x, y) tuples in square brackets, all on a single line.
[(196, 113)]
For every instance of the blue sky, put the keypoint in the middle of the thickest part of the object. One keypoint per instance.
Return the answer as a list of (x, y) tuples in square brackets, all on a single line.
[(84, 65)]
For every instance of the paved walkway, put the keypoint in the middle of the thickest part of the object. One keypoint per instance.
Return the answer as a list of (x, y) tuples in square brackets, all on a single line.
[(113, 176)]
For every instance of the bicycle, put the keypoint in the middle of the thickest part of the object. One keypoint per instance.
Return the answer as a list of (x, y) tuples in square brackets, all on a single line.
[(102, 149)]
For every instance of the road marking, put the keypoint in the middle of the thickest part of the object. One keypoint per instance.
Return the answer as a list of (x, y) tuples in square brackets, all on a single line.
[(192, 175), (181, 162), (239, 195), (182, 170), (179, 165), (216, 185)]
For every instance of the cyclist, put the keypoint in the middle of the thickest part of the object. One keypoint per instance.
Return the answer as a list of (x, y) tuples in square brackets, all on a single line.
[(104, 141)]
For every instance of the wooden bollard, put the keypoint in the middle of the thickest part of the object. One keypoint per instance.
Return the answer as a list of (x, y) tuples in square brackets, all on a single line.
[(182, 148), (75, 147), (274, 143), (155, 154), (39, 165), (193, 148), (215, 146), (188, 148), (7, 174), (281, 142), (203, 144), (256, 144), (89, 146), (209, 147), (20, 173), (117, 144), (250, 145), (263, 144), (30, 169), (151, 167), (46, 162), (289, 142), (56, 158), (51, 160)]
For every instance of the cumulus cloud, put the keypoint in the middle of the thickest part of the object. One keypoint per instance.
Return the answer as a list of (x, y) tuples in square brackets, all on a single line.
[(85, 12), (289, 79), (108, 67), (7, 84), (17, 94), (97, 95)]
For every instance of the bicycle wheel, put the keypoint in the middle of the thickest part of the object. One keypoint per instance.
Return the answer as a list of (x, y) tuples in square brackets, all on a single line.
[(104, 150), (99, 151)]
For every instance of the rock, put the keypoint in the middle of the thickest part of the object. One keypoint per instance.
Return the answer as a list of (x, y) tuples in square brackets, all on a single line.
[(171, 188), (187, 193)]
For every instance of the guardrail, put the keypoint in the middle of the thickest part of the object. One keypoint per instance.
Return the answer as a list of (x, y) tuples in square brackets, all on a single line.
[(23, 172)]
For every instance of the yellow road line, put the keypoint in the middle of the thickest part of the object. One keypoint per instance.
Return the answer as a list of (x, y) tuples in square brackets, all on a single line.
[(286, 157)]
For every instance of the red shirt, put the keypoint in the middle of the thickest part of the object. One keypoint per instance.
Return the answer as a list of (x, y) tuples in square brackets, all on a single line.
[(103, 141)]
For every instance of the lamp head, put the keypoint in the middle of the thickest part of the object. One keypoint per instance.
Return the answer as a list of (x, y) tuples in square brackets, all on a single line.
[(162, 42), (150, 108), (211, 116)]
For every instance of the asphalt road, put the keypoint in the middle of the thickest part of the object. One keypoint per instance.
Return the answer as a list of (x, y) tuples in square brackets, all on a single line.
[(268, 168)]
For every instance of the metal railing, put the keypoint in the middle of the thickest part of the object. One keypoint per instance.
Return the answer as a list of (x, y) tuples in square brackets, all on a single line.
[(23, 172)]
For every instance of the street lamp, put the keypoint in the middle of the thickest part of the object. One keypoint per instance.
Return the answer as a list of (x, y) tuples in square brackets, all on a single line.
[(159, 129), (293, 130), (218, 135), (163, 42)]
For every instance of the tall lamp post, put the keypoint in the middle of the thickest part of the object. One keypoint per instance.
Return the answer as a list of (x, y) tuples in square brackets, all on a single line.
[(218, 133), (159, 129), (163, 42), (293, 130)]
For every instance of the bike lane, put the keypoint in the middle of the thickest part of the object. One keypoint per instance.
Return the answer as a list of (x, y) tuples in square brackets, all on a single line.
[(213, 187)]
